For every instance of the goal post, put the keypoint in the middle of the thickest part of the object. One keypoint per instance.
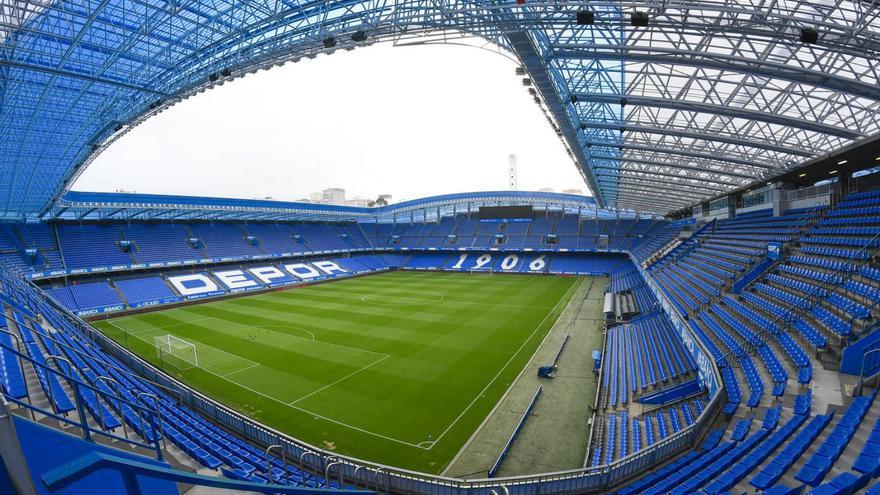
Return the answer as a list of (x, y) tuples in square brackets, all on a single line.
[(176, 352), (481, 269)]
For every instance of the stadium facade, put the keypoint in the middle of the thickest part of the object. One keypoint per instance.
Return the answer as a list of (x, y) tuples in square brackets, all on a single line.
[(730, 148)]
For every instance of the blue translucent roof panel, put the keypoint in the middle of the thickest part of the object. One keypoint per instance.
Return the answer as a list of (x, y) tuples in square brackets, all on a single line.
[(709, 96)]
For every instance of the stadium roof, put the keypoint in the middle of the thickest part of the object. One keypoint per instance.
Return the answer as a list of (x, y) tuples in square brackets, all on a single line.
[(708, 96), (98, 206)]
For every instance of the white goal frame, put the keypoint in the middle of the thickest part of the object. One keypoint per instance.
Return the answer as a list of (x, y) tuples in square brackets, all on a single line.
[(482, 269), (183, 354)]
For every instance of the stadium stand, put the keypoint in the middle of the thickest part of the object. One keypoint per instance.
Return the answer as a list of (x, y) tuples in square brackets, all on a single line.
[(770, 334), (140, 290), (741, 343)]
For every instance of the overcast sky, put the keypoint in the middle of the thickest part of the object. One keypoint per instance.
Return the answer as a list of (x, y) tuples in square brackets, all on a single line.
[(407, 121)]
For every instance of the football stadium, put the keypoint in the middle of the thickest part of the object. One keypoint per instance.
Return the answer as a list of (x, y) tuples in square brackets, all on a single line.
[(703, 321)]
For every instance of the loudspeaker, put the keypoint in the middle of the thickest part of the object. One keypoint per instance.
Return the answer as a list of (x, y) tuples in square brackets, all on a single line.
[(809, 36), (329, 42), (213, 77), (225, 72), (585, 17), (359, 36), (526, 81), (639, 19), (583, 127), (573, 98)]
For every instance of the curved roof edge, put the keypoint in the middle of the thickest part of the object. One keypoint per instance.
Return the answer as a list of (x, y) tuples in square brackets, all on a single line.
[(83, 206)]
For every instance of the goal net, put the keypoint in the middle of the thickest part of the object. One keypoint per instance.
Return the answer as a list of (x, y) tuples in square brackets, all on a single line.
[(482, 269), (176, 352)]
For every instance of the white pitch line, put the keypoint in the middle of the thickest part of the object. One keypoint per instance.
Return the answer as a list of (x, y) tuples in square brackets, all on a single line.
[(325, 387), (507, 392), (356, 428), (239, 371), (312, 413), (442, 300), (525, 341), (160, 327), (191, 340), (335, 421)]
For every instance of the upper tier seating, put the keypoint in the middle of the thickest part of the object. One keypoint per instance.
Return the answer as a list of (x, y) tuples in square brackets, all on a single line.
[(221, 240), (161, 242)]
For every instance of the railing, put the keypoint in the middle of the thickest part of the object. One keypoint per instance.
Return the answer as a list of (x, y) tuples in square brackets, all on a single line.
[(809, 192), (872, 356), (96, 463), (814, 298), (519, 426), (148, 417), (388, 479), (752, 274), (687, 245)]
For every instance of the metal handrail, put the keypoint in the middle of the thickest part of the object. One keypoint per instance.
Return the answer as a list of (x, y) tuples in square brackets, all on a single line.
[(115, 387), (395, 478), (158, 412), (18, 346), (108, 364), (269, 449), (76, 385), (862, 369), (812, 298)]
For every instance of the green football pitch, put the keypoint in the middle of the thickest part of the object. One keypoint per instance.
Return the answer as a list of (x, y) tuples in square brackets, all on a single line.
[(398, 368)]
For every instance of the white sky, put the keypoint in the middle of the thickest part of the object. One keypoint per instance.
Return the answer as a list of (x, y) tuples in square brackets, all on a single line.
[(408, 121)]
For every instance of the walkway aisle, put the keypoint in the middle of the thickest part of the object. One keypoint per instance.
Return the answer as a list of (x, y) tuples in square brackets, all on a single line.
[(555, 436)]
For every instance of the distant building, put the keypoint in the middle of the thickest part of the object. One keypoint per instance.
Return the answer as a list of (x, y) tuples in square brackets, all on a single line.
[(316, 197), (333, 196), (357, 202), (579, 192), (546, 189)]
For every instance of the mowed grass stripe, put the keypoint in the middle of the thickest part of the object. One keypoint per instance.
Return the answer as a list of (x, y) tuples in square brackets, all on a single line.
[(366, 375)]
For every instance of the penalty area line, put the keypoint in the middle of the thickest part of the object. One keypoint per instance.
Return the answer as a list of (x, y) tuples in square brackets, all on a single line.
[(567, 298), (325, 387), (243, 369), (316, 415)]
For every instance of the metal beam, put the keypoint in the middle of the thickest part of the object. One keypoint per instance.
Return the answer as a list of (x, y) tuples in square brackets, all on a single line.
[(675, 151), (662, 192), (525, 50), (699, 136), (662, 181), (624, 160), (715, 109), (56, 72), (627, 195), (663, 205), (598, 169), (717, 61), (646, 205), (85, 213), (649, 186)]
